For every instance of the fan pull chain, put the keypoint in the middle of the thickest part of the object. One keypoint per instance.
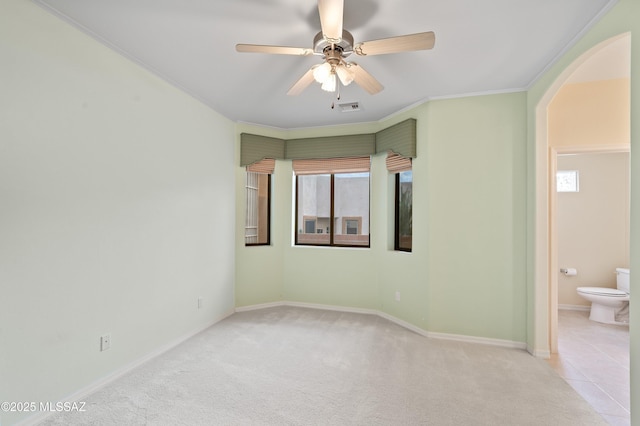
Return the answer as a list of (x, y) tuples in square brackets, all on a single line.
[(333, 105)]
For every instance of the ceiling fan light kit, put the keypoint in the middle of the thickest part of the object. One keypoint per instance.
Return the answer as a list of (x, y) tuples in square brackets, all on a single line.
[(345, 74), (321, 72), (336, 44), (329, 84)]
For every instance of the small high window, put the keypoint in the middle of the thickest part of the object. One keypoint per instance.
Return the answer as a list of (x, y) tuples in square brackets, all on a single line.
[(567, 181)]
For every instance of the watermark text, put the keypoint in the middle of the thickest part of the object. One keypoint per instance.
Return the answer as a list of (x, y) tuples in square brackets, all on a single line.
[(30, 406)]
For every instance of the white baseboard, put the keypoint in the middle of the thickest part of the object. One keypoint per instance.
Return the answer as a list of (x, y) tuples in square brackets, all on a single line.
[(258, 306), (331, 308), (573, 307), (481, 340), (539, 353), (306, 305), (402, 323), (104, 381)]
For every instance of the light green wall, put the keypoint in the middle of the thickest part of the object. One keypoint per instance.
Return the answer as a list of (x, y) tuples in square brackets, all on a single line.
[(476, 179), (331, 276), (260, 268), (622, 18), (466, 274), (113, 215)]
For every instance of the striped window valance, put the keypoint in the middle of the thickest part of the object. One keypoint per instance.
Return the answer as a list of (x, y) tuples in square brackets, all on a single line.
[(400, 138), (331, 165), (255, 148), (265, 166), (331, 147), (397, 163)]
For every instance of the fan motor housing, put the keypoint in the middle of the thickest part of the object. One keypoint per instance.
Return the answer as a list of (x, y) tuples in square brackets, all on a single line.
[(345, 46)]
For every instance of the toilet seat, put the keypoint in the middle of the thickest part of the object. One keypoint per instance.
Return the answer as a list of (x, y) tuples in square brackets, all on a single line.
[(603, 291)]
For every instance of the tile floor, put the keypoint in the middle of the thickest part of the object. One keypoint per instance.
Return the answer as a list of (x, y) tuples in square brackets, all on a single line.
[(594, 359)]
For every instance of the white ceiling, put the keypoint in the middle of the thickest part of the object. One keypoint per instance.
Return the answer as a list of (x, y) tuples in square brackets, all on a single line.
[(481, 47)]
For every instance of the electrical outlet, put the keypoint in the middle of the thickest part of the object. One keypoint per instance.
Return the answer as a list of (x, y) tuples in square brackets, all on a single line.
[(105, 342), (397, 296), (200, 302)]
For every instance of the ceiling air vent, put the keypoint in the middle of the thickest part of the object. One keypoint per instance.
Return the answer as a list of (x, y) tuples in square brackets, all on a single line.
[(349, 107)]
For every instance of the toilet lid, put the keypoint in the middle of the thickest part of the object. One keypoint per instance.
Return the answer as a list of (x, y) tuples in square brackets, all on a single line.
[(612, 292)]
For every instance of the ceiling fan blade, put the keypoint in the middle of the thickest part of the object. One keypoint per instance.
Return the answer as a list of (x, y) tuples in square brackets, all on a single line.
[(364, 79), (276, 50), (331, 12), (302, 84), (405, 43)]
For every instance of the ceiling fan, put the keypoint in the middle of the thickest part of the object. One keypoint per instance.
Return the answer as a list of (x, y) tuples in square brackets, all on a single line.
[(335, 44)]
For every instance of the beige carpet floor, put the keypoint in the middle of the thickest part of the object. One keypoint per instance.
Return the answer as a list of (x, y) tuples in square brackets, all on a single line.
[(297, 366)]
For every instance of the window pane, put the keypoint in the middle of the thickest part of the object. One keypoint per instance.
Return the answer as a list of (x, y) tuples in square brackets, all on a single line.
[(404, 210), (258, 189), (351, 209), (313, 209)]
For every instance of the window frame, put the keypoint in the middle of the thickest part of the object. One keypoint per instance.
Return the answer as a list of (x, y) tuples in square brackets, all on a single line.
[(396, 232), (268, 218), (332, 217)]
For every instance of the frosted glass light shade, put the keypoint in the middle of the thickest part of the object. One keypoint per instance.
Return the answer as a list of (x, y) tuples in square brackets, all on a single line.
[(321, 72), (330, 83), (345, 74)]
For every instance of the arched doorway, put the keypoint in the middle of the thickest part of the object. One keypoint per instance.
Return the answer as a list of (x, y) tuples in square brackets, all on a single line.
[(545, 254)]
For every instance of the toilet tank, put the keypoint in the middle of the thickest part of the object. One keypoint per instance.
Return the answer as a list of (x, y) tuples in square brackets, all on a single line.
[(622, 279)]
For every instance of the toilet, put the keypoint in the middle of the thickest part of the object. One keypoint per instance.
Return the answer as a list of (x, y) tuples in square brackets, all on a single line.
[(609, 305)]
